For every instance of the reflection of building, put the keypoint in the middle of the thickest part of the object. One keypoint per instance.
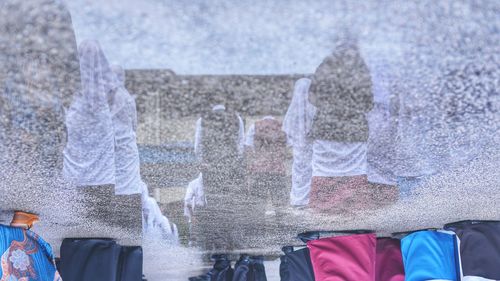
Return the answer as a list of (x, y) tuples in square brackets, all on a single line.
[(168, 103)]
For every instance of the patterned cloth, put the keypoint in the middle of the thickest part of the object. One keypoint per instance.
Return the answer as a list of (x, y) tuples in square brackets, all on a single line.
[(25, 256)]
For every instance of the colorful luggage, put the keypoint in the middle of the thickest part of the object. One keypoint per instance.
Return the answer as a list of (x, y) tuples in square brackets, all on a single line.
[(479, 248), (344, 258), (430, 255)]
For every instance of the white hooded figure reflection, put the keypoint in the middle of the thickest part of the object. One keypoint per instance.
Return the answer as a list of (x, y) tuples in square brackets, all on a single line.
[(123, 111), (101, 154), (89, 156), (194, 197), (297, 124), (155, 224), (102, 145), (120, 76)]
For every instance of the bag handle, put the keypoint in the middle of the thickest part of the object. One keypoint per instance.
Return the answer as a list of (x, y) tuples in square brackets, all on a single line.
[(314, 235), (468, 222)]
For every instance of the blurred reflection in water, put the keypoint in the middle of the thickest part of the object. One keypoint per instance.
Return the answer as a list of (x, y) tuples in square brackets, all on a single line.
[(219, 146), (297, 124), (342, 92), (396, 129)]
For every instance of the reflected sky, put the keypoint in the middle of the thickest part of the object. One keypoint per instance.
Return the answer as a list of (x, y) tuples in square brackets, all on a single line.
[(250, 37), (216, 37)]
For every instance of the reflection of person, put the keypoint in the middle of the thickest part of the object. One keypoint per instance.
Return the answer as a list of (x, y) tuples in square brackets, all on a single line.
[(101, 138), (89, 156), (155, 224), (124, 116), (266, 152), (218, 145), (194, 197), (381, 154), (120, 76), (297, 124), (102, 145), (341, 91), (101, 155)]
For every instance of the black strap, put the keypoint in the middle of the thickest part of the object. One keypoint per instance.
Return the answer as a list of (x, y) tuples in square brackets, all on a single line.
[(70, 239), (468, 222), (219, 257), (384, 237), (314, 235), (287, 249)]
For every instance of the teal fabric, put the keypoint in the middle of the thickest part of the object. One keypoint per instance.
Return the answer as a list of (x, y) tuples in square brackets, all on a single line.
[(430, 255), (25, 256)]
